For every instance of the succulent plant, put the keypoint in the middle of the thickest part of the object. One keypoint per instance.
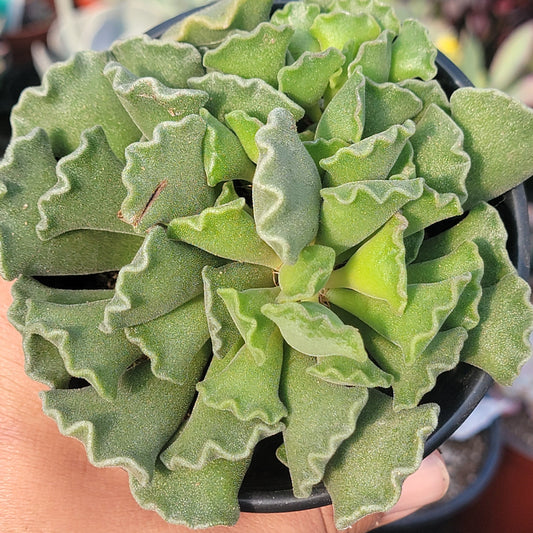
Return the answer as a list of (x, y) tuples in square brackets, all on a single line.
[(267, 187)]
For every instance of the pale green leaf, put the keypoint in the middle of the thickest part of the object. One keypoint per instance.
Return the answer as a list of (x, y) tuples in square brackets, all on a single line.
[(374, 58), (430, 92), (381, 11), (323, 148), (245, 127)]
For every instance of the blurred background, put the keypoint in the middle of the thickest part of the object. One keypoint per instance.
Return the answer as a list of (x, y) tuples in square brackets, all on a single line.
[(491, 457)]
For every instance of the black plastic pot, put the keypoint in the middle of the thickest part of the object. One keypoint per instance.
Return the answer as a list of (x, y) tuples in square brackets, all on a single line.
[(267, 486)]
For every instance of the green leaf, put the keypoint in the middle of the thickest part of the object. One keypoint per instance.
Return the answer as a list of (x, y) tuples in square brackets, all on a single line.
[(130, 431), (371, 203), (224, 156), (173, 340), (344, 117), (390, 105), (225, 336), (323, 148), (370, 159), (317, 423), (248, 390), (87, 352), (412, 244), (256, 54), (300, 17), (142, 289), (245, 127), (413, 53), (165, 178), (214, 22), (485, 228), (26, 172), (367, 472), (308, 275), (497, 138), (438, 153), (88, 192), (226, 231), (428, 306), (286, 192), (259, 333), (411, 382), (313, 329), (500, 344), (305, 81), (430, 92), (377, 269), (151, 58), (336, 29), (194, 498), (211, 434), (255, 97), (149, 102), (64, 106), (381, 11), (227, 195), (404, 168), (464, 258), (429, 208), (374, 58)]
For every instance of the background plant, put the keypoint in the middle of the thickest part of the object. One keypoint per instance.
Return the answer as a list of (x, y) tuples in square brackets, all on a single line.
[(252, 202)]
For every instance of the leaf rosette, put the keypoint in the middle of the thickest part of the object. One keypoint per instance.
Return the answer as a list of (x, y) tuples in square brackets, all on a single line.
[(259, 195)]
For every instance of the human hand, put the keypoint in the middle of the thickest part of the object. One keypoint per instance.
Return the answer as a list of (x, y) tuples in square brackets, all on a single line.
[(49, 486)]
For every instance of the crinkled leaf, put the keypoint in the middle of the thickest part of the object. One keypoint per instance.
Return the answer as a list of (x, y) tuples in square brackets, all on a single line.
[(500, 344), (438, 153), (255, 97), (344, 117), (307, 78), (497, 132), (300, 17), (245, 127), (173, 340), (228, 194), (321, 416), (404, 168), (147, 57), (149, 102), (286, 192), (430, 92), (369, 159), (366, 473), (74, 96), (429, 208), (377, 268), (337, 81), (211, 24), (464, 258), (259, 333), (308, 275), (323, 148), (246, 389), (130, 431), (87, 352), (389, 105), (381, 11), (194, 498), (352, 212), (428, 306), (256, 54), (226, 231), (412, 244), (26, 172), (413, 53), (88, 192), (224, 156), (336, 29), (163, 275), (225, 336), (485, 228), (313, 329), (165, 178), (211, 433), (374, 58)]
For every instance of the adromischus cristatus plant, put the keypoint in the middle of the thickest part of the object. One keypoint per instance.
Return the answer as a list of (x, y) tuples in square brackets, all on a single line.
[(260, 191)]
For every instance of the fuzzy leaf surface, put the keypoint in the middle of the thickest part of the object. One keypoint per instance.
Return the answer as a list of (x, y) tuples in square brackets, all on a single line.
[(374, 58), (430, 92), (394, 441), (245, 127), (165, 177), (286, 192)]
